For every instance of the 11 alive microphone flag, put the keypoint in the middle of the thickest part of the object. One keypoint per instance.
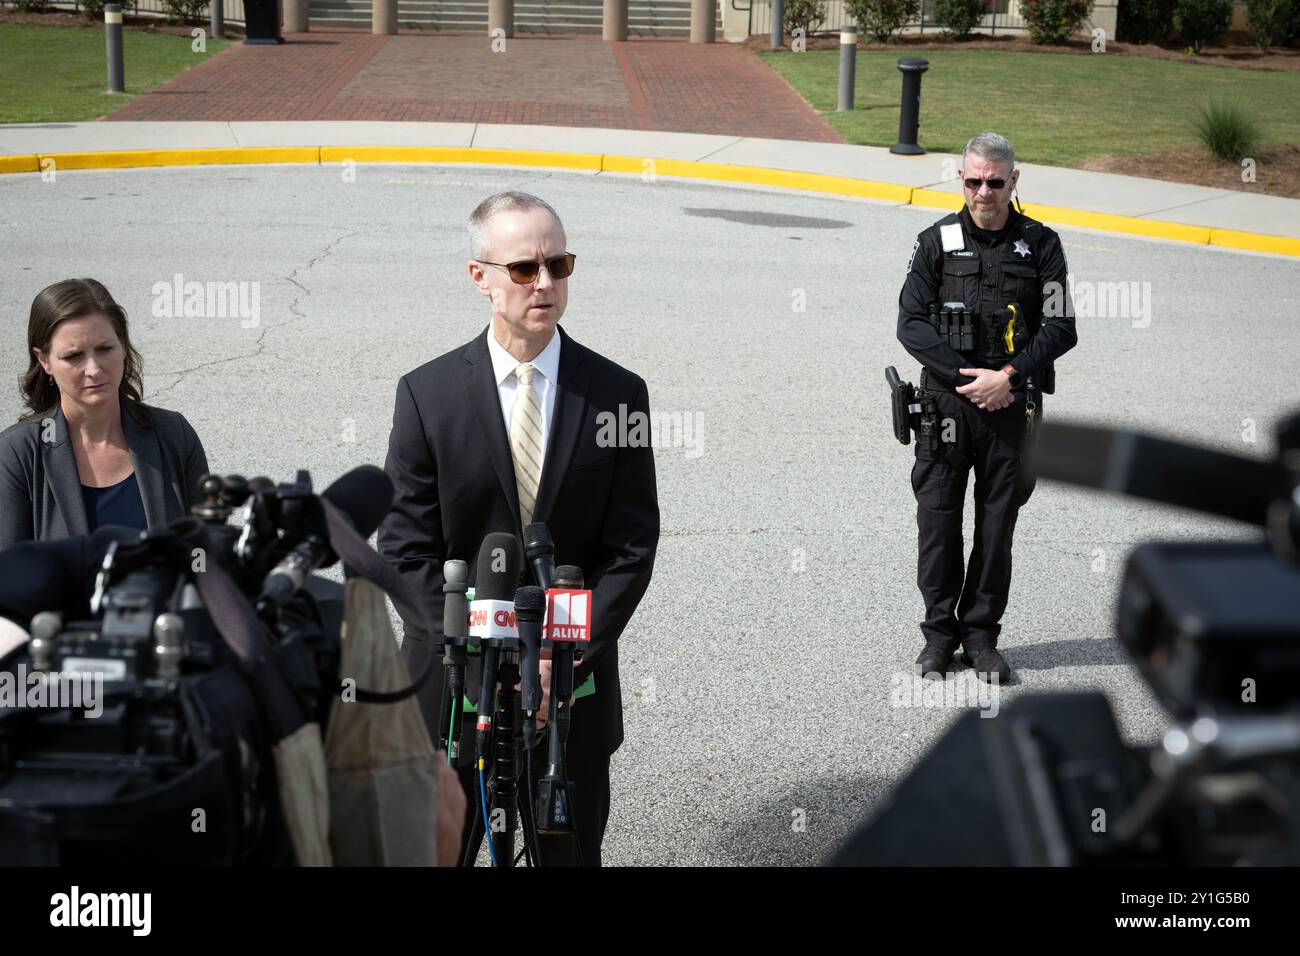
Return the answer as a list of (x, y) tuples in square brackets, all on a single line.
[(568, 616)]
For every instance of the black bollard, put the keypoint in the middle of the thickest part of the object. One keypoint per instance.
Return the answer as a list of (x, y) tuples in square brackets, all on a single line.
[(778, 27), (848, 67), (909, 116), (113, 44)]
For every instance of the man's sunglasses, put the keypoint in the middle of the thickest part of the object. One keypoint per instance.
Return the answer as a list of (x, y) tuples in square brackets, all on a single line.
[(995, 184), (524, 273)]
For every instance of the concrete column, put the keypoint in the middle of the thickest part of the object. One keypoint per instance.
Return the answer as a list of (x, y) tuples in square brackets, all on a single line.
[(704, 21), (614, 22), (501, 14), (297, 18), (383, 17)]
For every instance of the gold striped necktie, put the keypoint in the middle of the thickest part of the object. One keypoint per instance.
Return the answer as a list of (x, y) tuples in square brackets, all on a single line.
[(526, 441)]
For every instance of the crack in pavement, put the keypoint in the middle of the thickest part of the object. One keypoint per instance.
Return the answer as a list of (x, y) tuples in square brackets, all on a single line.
[(311, 263), (260, 344)]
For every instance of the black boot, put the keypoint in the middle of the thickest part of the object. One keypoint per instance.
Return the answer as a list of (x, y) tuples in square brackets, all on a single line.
[(933, 662), (987, 661)]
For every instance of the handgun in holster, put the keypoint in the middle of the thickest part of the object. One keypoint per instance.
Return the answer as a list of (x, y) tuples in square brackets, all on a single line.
[(912, 413)]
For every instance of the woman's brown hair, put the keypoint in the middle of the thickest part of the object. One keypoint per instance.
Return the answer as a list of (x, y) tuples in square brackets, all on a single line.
[(74, 299)]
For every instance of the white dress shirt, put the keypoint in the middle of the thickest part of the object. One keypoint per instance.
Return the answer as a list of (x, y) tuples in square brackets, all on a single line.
[(545, 375)]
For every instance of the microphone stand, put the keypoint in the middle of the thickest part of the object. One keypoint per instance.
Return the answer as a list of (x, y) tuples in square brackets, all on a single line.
[(555, 792)]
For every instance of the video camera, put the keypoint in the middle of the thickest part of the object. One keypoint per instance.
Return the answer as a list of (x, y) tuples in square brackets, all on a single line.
[(1214, 629), (202, 642)]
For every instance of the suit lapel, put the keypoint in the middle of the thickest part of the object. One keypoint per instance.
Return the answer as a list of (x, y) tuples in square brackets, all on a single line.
[(566, 423), (65, 483), (481, 390), (61, 476), (146, 456)]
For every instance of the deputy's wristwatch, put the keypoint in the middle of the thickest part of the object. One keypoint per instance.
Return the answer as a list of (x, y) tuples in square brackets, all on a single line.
[(1013, 373)]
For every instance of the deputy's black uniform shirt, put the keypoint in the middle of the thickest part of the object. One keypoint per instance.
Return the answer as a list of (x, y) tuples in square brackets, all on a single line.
[(998, 267)]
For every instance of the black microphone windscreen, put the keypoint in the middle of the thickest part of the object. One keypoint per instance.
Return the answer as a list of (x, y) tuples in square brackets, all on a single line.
[(537, 539), (530, 603), (500, 560), (568, 576), (365, 495)]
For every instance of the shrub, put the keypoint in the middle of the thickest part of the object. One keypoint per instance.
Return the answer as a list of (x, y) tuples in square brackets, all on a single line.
[(94, 9), (1271, 21), (184, 11), (1145, 21), (31, 6), (804, 15), (1226, 129), (881, 19), (1202, 22), (1054, 21), (959, 17)]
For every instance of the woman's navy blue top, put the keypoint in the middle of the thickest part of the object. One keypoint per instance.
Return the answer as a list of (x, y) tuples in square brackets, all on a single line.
[(118, 504)]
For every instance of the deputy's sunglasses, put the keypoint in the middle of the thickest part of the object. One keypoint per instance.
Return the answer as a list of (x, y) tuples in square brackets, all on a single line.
[(995, 184), (524, 273)]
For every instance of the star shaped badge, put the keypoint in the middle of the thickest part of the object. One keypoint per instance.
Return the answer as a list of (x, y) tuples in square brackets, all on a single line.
[(1021, 248)]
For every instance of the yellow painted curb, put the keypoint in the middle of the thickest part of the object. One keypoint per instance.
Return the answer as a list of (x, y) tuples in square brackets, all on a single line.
[(1111, 223), (933, 199), (460, 154), (758, 175), (19, 164), (185, 157), (688, 169), (1255, 242), (1060, 216)]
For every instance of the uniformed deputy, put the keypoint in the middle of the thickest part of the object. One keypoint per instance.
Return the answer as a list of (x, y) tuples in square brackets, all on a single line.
[(987, 386)]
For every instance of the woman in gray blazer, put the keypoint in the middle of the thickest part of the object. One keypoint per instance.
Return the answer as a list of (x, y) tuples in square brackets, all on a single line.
[(89, 452)]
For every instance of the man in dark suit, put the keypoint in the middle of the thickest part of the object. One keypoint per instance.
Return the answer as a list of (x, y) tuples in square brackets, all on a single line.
[(507, 430)]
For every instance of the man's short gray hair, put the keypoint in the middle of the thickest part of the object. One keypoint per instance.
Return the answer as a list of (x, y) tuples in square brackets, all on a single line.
[(992, 147), (510, 201)]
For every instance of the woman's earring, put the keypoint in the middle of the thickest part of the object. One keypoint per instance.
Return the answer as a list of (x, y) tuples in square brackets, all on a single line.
[(52, 385)]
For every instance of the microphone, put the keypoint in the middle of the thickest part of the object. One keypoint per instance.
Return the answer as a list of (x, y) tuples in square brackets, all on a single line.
[(492, 619), (554, 793), (530, 608), (570, 576), (455, 632), (364, 495), (541, 552), (567, 576)]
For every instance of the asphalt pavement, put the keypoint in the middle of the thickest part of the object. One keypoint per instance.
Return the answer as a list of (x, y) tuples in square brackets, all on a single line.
[(762, 672)]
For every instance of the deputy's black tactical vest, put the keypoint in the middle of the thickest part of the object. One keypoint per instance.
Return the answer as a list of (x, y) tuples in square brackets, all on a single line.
[(988, 280)]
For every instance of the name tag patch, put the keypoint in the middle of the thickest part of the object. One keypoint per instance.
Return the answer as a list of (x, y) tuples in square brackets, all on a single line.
[(952, 237)]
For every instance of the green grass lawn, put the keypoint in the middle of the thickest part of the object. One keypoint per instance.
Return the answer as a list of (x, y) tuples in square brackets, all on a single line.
[(1057, 108), (59, 73)]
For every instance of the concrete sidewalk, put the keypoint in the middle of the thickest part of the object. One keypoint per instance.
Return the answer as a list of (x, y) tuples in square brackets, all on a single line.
[(1126, 204)]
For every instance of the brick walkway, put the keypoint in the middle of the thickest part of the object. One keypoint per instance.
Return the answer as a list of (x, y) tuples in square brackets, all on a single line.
[(555, 81)]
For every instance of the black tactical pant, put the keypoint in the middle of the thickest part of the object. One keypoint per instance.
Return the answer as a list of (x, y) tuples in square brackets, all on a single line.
[(966, 609)]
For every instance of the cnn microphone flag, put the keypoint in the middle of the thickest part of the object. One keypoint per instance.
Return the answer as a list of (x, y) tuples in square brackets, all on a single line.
[(568, 615)]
